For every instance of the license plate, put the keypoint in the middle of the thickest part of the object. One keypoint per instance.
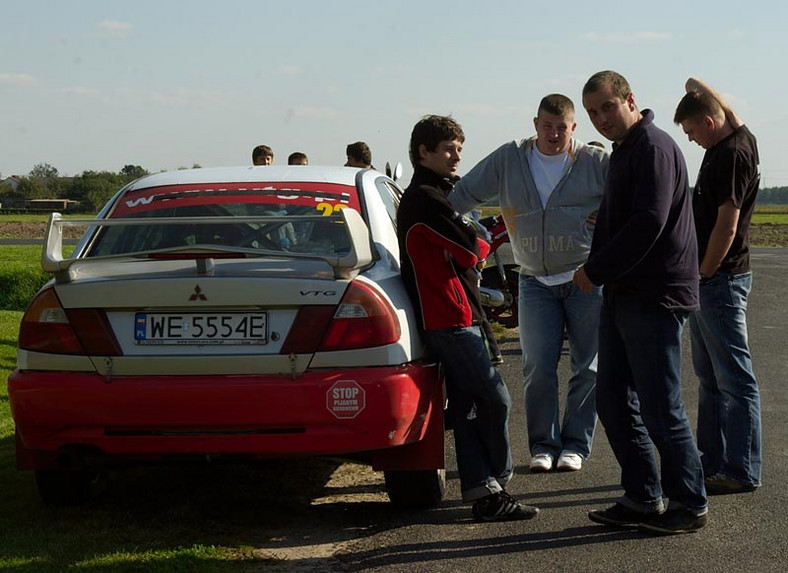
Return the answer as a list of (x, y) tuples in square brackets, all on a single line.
[(201, 328)]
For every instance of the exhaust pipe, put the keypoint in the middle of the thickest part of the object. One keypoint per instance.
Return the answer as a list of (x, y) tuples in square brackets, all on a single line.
[(491, 297)]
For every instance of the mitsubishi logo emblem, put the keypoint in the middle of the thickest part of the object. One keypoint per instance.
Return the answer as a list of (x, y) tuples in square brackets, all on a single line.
[(197, 294)]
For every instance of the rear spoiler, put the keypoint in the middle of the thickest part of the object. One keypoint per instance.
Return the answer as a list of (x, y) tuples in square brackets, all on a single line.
[(344, 265)]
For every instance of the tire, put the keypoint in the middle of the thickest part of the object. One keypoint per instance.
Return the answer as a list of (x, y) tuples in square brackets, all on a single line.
[(506, 315), (67, 488), (416, 489)]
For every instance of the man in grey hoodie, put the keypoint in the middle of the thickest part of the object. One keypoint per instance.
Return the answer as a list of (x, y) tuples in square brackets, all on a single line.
[(550, 186)]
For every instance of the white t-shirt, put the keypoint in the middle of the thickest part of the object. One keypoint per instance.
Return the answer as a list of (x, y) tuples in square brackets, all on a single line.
[(547, 171)]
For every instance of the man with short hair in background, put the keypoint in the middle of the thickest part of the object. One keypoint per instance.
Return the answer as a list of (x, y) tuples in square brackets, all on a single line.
[(262, 155), (297, 158), (358, 155)]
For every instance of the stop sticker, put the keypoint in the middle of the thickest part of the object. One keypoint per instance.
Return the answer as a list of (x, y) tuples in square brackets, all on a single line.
[(345, 399)]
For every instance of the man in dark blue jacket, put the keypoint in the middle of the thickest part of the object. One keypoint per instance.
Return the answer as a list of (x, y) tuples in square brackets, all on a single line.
[(645, 254)]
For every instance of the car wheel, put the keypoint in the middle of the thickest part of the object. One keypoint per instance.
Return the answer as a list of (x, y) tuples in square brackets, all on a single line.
[(416, 489), (66, 488)]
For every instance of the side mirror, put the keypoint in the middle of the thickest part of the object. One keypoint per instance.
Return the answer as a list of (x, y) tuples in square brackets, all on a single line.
[(395, 173)]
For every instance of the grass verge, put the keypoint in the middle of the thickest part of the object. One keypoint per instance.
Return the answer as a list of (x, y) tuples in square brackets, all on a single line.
[(20, 275)]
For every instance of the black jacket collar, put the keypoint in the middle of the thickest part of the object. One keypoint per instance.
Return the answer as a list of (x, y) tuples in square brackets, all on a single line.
[(424, 176), (647, 118)]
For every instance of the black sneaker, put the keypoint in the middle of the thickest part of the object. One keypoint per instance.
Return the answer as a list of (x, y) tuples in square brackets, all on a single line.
[(672, 522), (502, 507), (619, 516), (723, 485)]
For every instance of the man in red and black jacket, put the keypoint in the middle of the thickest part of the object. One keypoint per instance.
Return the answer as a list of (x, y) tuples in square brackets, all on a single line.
[(442, 251), (438, 255)]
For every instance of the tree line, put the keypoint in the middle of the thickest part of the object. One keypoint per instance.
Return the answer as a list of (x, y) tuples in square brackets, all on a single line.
[(772, 196), (91, 189)]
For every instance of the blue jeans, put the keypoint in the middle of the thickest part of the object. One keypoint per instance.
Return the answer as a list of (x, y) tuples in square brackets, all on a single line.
[(729, 404), (544, 313), (638, 397), (479, 406)]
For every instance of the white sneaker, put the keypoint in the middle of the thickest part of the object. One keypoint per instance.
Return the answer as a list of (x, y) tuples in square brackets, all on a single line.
[(541, 463), (569, 462)]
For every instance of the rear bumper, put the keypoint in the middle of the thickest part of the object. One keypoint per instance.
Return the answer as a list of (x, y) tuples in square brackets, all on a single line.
[(77, 419)]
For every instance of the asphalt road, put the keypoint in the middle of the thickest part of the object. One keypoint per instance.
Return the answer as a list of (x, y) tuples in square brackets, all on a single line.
[(746, 532)]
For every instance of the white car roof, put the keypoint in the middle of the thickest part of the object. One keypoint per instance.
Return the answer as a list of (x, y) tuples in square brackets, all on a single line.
[(251, 174)]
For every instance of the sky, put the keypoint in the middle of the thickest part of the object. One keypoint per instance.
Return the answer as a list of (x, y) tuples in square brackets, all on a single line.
[(164, 84)]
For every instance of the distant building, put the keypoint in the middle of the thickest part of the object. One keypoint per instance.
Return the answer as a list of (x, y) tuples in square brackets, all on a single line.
[(51, 204), (12, 182)]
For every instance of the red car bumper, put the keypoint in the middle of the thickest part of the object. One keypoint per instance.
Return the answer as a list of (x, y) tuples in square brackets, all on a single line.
[(73, 419)]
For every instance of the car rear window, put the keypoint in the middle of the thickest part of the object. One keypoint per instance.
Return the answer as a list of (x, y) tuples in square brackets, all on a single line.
[(289, 200)]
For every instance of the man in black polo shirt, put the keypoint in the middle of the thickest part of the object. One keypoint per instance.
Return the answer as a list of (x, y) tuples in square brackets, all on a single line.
[(645, 255), (729, 407)]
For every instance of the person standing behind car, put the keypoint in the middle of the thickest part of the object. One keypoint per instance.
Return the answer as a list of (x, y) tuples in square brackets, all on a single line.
[(549, 185), (358, 155), (297, 158), (645, 254), (262, 155), (438, 255), (729, 404)]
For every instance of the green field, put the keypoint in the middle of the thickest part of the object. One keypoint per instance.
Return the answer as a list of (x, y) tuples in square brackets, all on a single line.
[(39, 217), (20, 254), (767, 218)]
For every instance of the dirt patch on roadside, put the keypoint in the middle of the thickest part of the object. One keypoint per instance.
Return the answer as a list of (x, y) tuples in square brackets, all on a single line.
[(769, 235), (20, 230)]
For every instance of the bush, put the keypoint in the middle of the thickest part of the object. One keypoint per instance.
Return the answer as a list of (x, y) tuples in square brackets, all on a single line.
[(19, 283)]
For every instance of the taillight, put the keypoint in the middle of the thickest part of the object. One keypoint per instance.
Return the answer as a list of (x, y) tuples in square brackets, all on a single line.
[(308, 329), (363, 319), (47, 327)]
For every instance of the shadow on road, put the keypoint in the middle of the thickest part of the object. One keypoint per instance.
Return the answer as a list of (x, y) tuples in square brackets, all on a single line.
[(463, 549)]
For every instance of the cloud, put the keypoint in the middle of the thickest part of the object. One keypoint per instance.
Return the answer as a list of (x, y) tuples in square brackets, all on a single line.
[(487, 110), (17, 80), (81, 91), (316, 112), (180, 98), (312, 112), (114, 28), (628, 38), (290, 70)]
